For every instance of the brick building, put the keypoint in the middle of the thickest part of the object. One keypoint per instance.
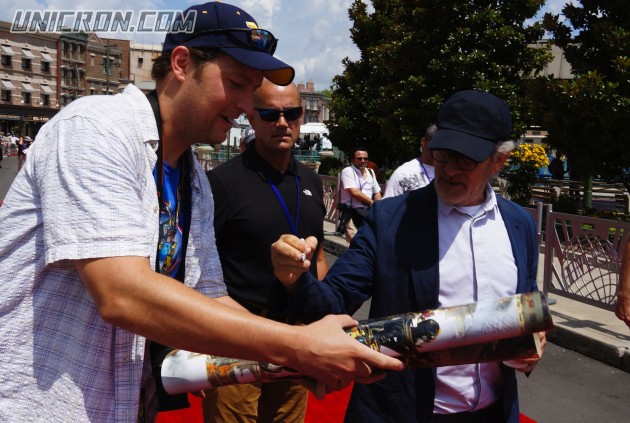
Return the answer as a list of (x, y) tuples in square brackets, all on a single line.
[(28, 80)]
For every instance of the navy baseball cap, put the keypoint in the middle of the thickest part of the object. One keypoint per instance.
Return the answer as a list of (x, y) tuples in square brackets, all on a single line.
[(234, 32), (472, 123)]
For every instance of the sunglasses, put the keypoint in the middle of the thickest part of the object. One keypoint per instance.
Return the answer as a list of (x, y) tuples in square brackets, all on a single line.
[(260, 39), (445, 156), (272, 115)]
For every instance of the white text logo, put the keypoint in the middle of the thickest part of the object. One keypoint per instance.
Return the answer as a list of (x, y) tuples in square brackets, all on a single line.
[(34, 21)]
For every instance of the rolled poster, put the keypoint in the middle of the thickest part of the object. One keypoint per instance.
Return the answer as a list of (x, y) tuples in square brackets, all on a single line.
[(491, 330)]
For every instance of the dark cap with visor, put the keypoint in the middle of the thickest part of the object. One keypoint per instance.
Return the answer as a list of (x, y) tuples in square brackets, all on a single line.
[(234, 32), (472, 123)]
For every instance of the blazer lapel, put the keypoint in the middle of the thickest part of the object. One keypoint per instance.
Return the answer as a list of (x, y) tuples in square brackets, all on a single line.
[(421, 245)]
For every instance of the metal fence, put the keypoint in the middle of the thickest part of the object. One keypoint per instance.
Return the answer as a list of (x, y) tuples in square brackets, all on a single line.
[(582, 257)]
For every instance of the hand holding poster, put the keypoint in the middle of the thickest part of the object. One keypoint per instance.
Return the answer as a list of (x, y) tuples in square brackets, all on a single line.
[(493, 330)]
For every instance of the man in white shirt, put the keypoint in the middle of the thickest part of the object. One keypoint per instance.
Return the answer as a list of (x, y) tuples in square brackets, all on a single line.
[(415, 173), (359, 190)]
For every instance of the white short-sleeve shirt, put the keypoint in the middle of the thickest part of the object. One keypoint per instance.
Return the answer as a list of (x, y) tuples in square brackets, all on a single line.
[(86, 191)]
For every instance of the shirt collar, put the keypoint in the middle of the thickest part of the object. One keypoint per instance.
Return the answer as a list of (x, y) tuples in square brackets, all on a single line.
[(489, 204), (254, 161)]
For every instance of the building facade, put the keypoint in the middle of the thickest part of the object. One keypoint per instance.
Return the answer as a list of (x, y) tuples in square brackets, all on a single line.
[(140, 62), (28, 81), (107, 65), (315, 104)]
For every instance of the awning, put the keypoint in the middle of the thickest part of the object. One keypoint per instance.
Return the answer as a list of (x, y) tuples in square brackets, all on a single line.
[(28, 87), (29, 54), (6, 50), (46, 57), (7, 85), (45, 89)]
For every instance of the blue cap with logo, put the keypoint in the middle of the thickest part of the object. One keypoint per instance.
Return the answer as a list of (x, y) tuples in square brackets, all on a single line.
[(471, 123), (234, 32)]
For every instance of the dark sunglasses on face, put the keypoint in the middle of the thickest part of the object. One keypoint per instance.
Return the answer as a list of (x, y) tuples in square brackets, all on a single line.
[(445, 156), (261, 39), (272, 115)]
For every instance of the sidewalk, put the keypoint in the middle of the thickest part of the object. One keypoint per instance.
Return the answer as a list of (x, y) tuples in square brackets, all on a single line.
[(591, 331)]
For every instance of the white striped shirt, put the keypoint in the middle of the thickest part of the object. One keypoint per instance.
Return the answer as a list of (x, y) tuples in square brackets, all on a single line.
[(86, 191)]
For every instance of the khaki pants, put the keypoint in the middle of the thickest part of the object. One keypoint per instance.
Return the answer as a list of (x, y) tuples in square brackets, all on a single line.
[(252, 403), (351, 231)]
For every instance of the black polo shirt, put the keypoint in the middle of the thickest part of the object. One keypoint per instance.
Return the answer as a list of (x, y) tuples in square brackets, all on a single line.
[(248, 218)]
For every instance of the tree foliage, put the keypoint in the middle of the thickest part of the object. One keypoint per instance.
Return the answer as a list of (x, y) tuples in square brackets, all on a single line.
[(587, 117), (416, 53)]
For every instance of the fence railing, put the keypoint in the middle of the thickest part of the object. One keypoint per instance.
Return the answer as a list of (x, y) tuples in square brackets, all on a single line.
[(582, 257)]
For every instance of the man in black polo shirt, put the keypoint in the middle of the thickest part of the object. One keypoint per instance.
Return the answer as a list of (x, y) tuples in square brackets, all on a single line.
[(258, 196)]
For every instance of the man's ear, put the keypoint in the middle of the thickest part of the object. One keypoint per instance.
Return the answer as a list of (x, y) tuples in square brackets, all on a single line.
[(499, 161), (181, 62)]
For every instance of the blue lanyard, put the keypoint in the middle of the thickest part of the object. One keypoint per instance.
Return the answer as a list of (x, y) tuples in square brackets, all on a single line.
[(292, 225), (424, 170)]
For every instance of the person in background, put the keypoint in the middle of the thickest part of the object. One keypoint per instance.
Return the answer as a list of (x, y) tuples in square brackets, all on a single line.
[(556, 167), (415, 173), (247, 137), (109, 241), (450, 243), (258, 196), (21, 155), (359, 190)]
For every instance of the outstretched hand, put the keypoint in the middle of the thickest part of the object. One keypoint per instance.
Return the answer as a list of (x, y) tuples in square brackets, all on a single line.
[(526, 365), (335, 359), (291, 257)]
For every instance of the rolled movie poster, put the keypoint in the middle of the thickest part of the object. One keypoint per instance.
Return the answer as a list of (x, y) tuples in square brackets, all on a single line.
[(492, 330)]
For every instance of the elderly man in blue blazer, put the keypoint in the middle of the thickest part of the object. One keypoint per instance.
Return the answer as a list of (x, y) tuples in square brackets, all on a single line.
[(452, 242)]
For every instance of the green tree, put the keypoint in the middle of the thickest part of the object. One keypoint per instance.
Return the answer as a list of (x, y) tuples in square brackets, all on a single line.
[(416, 53), (587, 117)]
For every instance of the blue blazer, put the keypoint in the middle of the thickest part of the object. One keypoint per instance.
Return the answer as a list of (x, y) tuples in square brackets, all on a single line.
[(394, 260)]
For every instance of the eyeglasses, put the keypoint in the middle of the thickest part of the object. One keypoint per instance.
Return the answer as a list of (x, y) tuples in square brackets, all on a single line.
[(272, 115), (261, 39), (361, 159), (444, 156)]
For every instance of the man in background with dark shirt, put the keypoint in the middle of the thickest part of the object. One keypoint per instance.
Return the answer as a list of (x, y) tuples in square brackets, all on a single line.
[(258, 196)]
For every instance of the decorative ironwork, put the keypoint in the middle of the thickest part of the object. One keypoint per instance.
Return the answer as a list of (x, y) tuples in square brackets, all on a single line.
[(582, 257)]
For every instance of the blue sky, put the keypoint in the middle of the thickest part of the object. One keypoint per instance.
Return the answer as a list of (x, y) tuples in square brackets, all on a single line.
[(314, 34)]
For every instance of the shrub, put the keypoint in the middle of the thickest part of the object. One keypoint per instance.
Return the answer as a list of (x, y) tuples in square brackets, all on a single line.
[(330, 166), (521, 171)]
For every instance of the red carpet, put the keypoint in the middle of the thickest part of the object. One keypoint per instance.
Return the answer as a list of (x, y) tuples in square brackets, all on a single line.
[(330, 410)]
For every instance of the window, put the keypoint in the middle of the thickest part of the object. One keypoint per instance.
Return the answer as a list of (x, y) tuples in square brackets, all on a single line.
[(308, 104), (140, 62), (6, 60), (26, 98), (6, 95), (44, 100), (315, 104), (26, 63), (45, 67)]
